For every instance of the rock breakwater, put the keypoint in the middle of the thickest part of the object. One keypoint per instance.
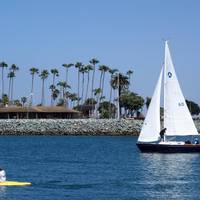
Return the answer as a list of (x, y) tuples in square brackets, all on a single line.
[(70, 127)]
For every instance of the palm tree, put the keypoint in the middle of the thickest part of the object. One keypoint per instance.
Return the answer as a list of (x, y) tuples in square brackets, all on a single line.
[(13, 68), (43, 75), (63, 85), (97, 93), (129, 73), (3, 65), (33, 71), (101, 69), (93, 62), (5, 99), (112, 72), (104, 69), (55, 73), (55, 93), (10, 76), (73, 98), (17, 103), (82, 71), (78, 65), (121, 82), (23, 100), (67, 66), (88, 68)]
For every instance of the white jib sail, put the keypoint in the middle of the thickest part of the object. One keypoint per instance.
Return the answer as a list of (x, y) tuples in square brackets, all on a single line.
[(151, 126), (177, 118)]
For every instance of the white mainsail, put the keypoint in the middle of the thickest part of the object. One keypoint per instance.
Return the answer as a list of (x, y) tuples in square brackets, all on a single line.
[(177, 118), (151, 127)]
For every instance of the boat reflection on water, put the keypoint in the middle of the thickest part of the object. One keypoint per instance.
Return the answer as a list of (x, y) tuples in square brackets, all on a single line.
[(170, 175)]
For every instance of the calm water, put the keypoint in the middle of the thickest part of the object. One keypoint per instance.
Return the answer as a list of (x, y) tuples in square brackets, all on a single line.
[(95, 168)]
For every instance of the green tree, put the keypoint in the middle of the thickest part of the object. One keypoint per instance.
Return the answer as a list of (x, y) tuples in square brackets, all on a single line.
[(3, 65), (55, 94), (148, 101), (98, 91), (13, 68), (93, 62), (33, 71), (63, 86), (73, 98), (78, 66), (104, 110), (23, 100), (82, 71), (17, 102), (120, 82), (10, 76), (5, 99), (55, 74), (131, 102), (105, 69), (43, 75), (89, 101), (112, 72), (193, 107), (129, 73), (88, 68)]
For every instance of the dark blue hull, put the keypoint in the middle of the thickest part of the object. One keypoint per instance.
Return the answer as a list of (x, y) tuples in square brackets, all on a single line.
[(164, 148)]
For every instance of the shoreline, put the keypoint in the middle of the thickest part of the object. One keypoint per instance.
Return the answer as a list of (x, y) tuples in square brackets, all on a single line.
[(93, 127), (73, 127)]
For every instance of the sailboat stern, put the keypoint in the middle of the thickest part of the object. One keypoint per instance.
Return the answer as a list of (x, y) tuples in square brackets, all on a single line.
[(168, 147)]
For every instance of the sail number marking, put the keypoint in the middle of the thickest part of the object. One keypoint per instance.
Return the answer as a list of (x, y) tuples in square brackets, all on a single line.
[(180, 104)]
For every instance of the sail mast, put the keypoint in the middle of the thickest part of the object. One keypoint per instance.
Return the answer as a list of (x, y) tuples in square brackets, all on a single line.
[(164, 91)]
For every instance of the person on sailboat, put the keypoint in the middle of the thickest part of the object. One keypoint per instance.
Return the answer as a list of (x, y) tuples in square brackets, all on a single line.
[(2, 175), (196, 141), (162, 134)]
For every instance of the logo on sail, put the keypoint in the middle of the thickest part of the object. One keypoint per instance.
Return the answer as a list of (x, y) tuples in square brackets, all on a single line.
[(169, 74)]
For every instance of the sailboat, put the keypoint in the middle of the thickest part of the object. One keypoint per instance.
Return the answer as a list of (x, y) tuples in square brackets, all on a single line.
[(177, 118)]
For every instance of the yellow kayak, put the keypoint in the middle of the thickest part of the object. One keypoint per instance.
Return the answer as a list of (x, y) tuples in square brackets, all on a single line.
[(14, 183)]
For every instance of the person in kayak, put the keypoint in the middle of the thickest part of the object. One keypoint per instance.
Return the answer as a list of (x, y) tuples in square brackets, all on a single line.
[(162, 134), (2, 175)]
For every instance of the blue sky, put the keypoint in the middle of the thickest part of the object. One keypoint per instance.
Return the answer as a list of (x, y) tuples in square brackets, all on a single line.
[(124, 34)]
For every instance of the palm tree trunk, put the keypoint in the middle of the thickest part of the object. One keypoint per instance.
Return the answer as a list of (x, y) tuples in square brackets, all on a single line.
[(2, 82), (129, 79), (42, 100), (120, 107), (12, 84), (78, 87), (32, 83), (31, 102), (67, 75), (110, 99), (98, 95), (52, 101), (92, 92), (102, 87), (9, 88), (88, 80), (66, 103), (83, 83)]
